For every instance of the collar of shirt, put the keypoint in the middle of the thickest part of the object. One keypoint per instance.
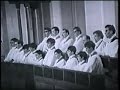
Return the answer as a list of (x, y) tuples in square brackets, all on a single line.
[(72, 56), (96, 44), (53, 47), (27, 54), (81, 62), (78, 37), (39, 59), (55, 37), (109, 40), (92, 53), (66, 38), (59, 59)]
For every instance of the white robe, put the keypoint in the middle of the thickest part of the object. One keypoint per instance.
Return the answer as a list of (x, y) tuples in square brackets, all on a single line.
[(71, 62), (57, 39), (78, 44), (99, 46), (111, 48), (80, 66), (16, 55), (10, 54), (30, 58), (59, 63), (65, 43), (37, 61), (49, 59), (43, 45), (94, 64), (24, 58)]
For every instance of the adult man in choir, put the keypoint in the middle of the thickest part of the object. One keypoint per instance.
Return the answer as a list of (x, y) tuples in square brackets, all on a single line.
[(55, 35), (31, 56), (18, 51), (78, 39), (13, 42), (49, 59), (94, 64), (99, 43), (111, 48), (66, 42), (86, 38), (72, 60), (43, 45)]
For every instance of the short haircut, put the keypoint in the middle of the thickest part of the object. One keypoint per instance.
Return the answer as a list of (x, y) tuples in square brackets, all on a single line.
[(111, 28), (58, 51), (83, 55), (99, 33), (14, 39), (77, 29), (33, 45), (72, 49), (20, 42), (67, 31), (39, 52), (56, 29), (51, 40), (90, 44), (47, 29), (26, 46)]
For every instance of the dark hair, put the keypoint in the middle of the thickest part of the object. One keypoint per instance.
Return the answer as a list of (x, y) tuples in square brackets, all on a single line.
[(87, 37), (51, 40), (26, 46), (14, 39), (83, 54), (90, 44), (67, 31), (111, 28), (99, 33), (56, 29), (40, 52), (58, 51), (48, 29), (77, 29), (72, 49), (20, 42), (33, 45)]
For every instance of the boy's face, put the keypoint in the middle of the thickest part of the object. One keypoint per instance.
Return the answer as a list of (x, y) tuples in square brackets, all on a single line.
[(76, 33), (49, 44), (79, 58), (37, 55), (57, 55), (89, 50), (13, 44), (26, 51), (69, 53), (108, 33), (54, 33), (64, 34), (47, 33), (96, 37)]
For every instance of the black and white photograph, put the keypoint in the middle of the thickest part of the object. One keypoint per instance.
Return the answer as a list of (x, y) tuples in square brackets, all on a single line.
[(59, 45)]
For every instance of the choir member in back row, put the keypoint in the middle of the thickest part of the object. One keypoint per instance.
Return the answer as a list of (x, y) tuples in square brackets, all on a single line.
[(78, 39)]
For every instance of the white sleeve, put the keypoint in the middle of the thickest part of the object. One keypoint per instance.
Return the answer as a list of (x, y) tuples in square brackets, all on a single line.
[(67, 44)]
